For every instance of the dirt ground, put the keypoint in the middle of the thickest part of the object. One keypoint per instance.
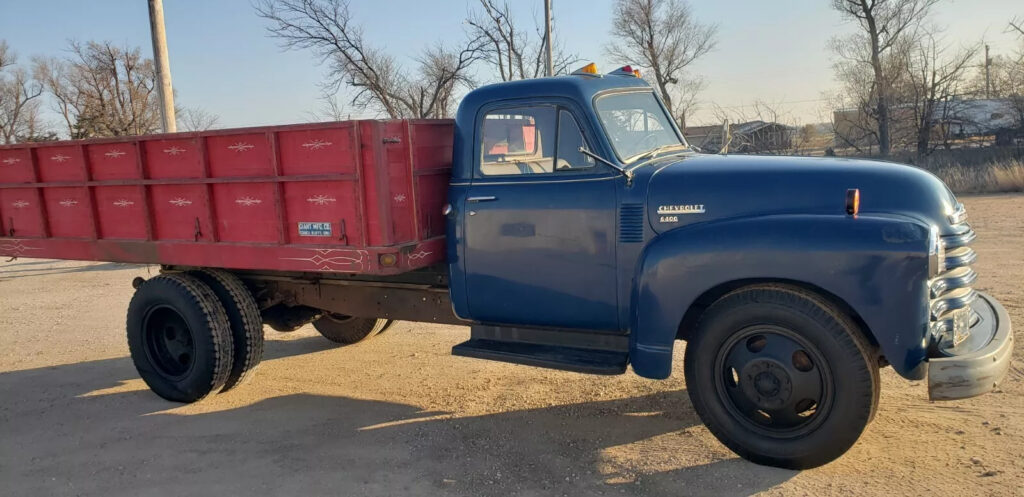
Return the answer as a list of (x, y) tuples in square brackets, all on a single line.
[(399, 415)]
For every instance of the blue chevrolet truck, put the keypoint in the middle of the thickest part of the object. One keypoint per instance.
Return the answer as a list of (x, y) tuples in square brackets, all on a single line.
[(603, 240), (583, 233), (790, 280)]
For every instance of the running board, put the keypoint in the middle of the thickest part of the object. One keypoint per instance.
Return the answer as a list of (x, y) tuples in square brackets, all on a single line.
[(570, 350)]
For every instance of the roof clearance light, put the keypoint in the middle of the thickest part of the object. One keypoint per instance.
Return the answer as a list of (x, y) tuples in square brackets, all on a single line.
[(624, 71), (853, 201), (590, 68)]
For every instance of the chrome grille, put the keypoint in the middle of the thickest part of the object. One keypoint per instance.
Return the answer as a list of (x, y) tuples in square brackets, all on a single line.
[(951, 290)]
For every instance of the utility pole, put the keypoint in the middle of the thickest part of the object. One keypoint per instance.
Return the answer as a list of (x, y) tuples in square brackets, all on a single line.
[(550, 68), (163, 65), (988, 84)]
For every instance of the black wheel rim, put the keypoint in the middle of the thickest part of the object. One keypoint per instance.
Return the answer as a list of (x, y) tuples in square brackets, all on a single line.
[(774, 381), (169, 344)]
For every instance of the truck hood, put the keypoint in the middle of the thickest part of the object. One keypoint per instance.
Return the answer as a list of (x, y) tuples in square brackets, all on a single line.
[(702, 188)]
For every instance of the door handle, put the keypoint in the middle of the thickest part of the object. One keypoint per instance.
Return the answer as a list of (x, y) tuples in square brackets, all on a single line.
[(485, 198)]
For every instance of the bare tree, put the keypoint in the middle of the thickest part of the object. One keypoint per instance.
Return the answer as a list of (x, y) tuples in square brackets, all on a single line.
[(36, 130), (7, 56), (196, 119), (1013, 74), (102, 90), (442, 72), (664, 36), (1016, 24), (934, 75), (684, 98), (19, 104), (381, 84), (331, 109), (853, 119), (806, 139), (515, 53), (883, 24)]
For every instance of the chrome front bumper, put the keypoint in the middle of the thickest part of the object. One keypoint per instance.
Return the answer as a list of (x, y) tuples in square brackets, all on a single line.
[(978, 364)]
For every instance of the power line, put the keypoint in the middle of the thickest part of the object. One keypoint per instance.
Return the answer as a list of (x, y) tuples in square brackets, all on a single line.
[(774, 103)]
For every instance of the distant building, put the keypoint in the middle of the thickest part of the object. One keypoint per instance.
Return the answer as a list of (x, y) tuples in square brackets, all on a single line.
[(752, 137), (998, 117), (956, 118), (706, 138)]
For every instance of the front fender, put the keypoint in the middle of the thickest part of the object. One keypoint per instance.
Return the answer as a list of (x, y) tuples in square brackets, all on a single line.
[(878, 265)]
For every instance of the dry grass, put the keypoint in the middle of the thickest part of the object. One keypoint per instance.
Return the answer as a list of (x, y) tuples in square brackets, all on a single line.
[(992, 177), (971, 169), (963, 156)]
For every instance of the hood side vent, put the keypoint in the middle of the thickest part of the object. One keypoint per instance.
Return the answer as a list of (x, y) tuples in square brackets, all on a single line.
[(631, 223)]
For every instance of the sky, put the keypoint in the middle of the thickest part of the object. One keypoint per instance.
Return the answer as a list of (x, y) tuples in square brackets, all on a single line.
[(223, 61)]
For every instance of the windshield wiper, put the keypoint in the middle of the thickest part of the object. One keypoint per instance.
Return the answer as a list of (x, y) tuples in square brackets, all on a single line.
[(654, 153)]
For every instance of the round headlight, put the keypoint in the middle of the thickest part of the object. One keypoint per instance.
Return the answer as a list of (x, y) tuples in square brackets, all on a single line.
[(958, 214)]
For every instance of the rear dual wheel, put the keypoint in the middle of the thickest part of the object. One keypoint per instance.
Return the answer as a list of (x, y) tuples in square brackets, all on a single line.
[(180, 338), (193, 334), (781, 377), (244, 318)]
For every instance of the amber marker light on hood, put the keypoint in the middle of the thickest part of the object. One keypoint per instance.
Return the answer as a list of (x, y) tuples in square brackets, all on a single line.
[(853, 201)]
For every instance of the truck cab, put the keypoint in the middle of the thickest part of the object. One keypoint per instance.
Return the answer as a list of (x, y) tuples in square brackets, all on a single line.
[(585, 234)]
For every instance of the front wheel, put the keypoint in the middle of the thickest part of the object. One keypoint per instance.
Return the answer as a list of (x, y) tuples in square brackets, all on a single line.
[(348, 330), (781, 377)]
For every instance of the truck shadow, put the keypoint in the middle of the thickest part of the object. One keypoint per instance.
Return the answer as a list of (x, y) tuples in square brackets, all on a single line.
[(278, 349), (92, 428)]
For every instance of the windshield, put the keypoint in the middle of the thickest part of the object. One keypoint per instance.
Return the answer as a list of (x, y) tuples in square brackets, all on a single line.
[(636, 124)]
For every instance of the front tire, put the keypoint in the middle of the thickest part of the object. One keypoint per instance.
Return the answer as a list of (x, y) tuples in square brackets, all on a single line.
[(179, 337), (781, 377), (348, 330)]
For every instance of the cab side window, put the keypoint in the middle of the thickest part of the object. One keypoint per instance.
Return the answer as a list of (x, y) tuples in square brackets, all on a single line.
[(531, 140)]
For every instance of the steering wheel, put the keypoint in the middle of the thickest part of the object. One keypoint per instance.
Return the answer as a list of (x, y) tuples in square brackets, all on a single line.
[(648, 142)]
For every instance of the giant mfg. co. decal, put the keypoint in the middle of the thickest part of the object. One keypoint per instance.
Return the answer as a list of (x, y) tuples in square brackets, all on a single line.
[(314, 229)]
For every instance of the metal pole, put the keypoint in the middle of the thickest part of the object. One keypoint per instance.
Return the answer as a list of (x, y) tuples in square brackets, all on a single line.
[(163, 65), (988, 85), (550, 69)]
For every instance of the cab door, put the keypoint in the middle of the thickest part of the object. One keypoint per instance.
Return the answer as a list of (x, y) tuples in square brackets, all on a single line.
[(540, 223)]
